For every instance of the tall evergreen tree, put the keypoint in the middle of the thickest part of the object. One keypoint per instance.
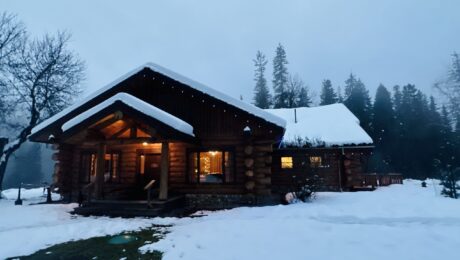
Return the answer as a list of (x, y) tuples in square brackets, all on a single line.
[(358, 101), (280, 78), (383, 123), (262, 97), (304, 99), (339, 95), (328, 95)]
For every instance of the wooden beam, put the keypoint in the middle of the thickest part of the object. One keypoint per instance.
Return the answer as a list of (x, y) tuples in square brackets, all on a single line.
[(120, 132), (100, 163), (164, 171), (133, 132), (105, 123)]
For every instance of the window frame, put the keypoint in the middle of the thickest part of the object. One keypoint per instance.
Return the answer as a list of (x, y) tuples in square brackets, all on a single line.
[(281, 162), (316, 165), (93, 152), (224, 150)]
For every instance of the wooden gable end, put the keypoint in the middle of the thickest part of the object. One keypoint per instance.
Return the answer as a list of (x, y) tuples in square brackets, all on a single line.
[(210, 117)]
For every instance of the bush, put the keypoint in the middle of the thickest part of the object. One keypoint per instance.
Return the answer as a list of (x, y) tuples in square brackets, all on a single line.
[(304, 189), (449, 179)]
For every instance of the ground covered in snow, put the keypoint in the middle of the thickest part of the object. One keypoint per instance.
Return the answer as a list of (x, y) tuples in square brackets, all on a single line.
[(396, 222), (28, 228)]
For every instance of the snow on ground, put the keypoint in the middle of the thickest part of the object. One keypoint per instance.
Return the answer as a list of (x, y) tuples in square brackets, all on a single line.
[(395, 222), (29, 228)]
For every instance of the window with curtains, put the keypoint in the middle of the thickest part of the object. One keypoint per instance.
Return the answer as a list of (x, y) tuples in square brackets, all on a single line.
[(111, 167), (211, 166)]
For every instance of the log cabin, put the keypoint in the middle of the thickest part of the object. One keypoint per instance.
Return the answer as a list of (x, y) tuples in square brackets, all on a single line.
[(154, 132)]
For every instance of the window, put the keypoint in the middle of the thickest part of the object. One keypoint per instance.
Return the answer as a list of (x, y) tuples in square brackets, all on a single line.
[(111, 168), (88, 167), (315, 161), (211, 166), (286, 162)]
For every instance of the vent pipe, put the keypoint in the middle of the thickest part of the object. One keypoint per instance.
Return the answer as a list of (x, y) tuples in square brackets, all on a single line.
[(295, 116)]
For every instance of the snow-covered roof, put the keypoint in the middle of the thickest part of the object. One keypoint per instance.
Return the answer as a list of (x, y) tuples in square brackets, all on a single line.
[(179, 78), (137, 104), (330, 125)]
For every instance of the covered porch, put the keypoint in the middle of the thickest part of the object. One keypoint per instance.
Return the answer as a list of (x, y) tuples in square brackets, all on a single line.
[(121, 150)]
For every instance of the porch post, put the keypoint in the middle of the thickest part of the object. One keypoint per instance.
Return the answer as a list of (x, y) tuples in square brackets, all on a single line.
[(100, 163), (164, 171)]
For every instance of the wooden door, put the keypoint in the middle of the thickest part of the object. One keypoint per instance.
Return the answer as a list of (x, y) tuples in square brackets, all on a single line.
[(150, 169)]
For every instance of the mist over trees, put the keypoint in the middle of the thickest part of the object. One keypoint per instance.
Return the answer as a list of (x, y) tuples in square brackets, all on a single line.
[(38, 78), (412, 133)]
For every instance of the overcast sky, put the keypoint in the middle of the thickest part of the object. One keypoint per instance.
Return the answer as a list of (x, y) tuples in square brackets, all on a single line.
[(390, 42)]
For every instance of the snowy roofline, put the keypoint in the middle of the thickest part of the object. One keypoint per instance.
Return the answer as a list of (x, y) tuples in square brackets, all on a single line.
[(251, 109), (137, 104), (329, 125)]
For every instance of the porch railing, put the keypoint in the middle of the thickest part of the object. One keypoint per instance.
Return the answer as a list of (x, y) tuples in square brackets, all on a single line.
[(148, 188), (375, 180)]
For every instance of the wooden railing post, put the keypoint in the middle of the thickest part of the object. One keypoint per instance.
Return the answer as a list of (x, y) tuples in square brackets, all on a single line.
[(164, 171), (100, 165)]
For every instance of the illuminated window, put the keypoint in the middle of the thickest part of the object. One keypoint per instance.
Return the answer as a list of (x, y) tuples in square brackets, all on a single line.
[(142, 165), (315, 161), (286, 162), (211, 167), (88, 167)]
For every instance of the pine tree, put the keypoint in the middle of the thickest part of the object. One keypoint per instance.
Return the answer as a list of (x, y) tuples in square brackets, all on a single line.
[(262, 97), (280, 78), (383, 123), (358, 101), (450, 178), (328, 95), (339, 95), (304, 99)]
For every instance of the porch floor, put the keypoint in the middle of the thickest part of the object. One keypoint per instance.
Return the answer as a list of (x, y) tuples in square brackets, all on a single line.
[(174, 206)]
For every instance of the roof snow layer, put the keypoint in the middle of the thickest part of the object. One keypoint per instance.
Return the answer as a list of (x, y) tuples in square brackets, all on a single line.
[(137, 104), (179, 78), (330, 125)]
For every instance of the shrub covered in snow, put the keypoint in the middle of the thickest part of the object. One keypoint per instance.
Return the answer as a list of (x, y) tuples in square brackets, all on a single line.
[(450, 179), (304, 188)]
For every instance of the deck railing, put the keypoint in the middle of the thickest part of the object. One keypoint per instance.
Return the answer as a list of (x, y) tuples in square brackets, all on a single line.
[(375, 180)]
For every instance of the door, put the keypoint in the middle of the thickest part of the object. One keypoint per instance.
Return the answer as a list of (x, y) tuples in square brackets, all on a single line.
[(150, 169)]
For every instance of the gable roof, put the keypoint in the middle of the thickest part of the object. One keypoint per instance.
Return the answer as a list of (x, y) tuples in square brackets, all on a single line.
[(138, 105), (249, 108), (330, 125)]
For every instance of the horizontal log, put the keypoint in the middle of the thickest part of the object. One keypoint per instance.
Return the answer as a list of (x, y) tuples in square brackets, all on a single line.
[(250, 185), (263, 148), (264, 181), (248, 149), (260, 176), (264, 170), (249, 162)]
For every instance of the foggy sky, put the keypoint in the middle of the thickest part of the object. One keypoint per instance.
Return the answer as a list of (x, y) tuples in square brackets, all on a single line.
[(390, 42)]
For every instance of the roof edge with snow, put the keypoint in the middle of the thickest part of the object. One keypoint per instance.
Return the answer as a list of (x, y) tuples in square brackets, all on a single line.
[(138, 105), (249, 108)]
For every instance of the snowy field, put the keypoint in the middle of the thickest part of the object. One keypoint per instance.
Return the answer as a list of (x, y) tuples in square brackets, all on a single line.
[(396, 222), (29, 228)]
